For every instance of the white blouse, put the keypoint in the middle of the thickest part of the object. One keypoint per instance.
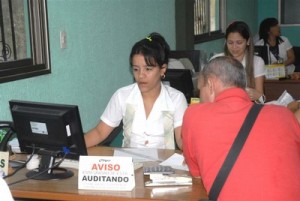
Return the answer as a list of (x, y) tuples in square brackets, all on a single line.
[(145, 132), (283, 48)]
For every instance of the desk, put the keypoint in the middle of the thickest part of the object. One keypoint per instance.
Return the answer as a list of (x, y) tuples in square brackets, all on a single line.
[(274, 88), (67, 189)]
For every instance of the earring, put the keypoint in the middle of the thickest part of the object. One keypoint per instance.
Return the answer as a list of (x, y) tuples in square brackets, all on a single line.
[(163, 76)]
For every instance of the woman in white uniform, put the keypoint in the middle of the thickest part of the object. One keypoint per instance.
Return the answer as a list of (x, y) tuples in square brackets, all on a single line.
[(239, 45), (151, 112), (4, 191), (281, 50)]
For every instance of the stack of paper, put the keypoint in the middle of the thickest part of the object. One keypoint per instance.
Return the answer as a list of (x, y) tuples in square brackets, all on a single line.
[(176, 161), (169, 180)]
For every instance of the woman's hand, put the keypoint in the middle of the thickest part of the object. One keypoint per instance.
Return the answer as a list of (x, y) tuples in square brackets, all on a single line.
[(293, 106), (297, 114), (253, 94), (290, 57)]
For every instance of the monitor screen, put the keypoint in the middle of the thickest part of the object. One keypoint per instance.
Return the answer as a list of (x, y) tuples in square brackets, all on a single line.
[(48, 127), (180, 79), (263, 52)]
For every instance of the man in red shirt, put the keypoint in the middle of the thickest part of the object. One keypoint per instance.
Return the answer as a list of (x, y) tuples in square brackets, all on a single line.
[(268, 167)]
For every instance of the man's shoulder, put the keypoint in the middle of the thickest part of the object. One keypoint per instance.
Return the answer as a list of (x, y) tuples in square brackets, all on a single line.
[(274, 108), (277, 112), (200, 108)]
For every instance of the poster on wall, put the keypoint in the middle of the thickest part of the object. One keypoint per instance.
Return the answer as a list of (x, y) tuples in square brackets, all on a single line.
[(289, 12)]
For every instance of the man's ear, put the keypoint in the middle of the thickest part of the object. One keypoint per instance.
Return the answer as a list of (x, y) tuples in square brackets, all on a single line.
[(212, 87), (211, 84), (200, 81)]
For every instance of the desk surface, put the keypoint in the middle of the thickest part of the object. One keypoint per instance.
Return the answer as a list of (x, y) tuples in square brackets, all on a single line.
[(274, 88), (67, 189)]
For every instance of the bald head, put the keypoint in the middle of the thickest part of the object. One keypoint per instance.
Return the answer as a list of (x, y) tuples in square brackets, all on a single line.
[(219, 74)]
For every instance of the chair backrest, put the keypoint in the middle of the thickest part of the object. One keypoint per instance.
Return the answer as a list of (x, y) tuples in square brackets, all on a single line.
[(112, 136), (263, 52), (4, 191)]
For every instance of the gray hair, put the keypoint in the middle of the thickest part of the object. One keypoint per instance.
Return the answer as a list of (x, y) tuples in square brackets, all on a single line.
[(229, 70)]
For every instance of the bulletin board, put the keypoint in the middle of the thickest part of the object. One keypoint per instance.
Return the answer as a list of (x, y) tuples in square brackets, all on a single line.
[(289, 12)]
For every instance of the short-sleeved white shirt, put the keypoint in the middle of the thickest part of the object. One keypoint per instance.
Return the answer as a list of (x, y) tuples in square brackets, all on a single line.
[(258, 63), (4, 191), (283, 48), (143, 129)]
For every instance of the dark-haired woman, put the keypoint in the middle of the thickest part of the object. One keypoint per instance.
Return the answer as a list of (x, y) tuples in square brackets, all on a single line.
[(239, 45), (281, 50), (151, 112)]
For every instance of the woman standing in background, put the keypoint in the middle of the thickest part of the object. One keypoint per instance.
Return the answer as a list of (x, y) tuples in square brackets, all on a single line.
[(281, 50)]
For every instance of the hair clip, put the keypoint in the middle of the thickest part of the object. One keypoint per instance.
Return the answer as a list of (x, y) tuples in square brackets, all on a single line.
[(149, 38)]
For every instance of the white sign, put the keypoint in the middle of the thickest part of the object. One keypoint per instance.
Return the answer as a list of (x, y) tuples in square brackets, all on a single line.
[(106, 173), (4, 162), (275, 71)]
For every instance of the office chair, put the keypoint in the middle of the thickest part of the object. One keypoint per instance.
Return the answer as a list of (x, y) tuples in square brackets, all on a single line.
[(112, 136)]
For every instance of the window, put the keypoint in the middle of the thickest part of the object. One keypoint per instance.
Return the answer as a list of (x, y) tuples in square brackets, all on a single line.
[(24, 45), (289, 12), (209, 19)]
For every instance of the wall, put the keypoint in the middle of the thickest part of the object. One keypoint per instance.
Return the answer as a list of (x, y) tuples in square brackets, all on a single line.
[(95, 63), (245, 10), (100, 35), (269, 8)]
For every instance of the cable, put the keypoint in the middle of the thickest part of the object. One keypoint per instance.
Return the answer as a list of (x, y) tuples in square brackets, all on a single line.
[(22, 166), (42, 172)]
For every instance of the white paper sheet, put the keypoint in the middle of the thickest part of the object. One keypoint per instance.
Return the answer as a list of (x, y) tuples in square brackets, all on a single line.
[(176, 161), (138, 154)]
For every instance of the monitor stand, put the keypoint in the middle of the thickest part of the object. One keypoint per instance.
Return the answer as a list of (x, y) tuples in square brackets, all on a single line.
[(44, 173)]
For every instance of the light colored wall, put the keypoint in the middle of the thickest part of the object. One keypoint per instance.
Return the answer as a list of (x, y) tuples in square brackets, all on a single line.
[(100, 34)]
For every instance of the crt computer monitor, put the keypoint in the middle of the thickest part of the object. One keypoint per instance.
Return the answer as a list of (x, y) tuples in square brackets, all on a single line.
[(263, 52), (180, 79), (49, 129)]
